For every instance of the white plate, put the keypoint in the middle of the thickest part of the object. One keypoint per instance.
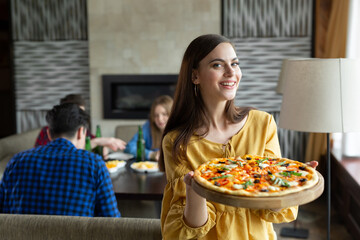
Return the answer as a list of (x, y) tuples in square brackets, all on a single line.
[(143, 170), (120, 155), (118, 166)]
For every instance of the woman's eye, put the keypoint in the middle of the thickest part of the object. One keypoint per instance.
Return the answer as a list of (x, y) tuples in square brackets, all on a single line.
[(235, 64), (216, 65)]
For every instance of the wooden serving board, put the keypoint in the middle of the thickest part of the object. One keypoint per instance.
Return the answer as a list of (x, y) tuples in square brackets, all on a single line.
[(292, 199)]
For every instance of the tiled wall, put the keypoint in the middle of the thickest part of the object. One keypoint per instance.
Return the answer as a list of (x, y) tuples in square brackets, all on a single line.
[(50, 56)]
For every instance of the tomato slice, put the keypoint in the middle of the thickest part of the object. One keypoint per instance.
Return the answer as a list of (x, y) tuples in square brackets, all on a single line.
[(223, 181)]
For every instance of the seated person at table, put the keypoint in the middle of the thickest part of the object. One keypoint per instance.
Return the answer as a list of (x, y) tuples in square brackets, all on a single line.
[(59, 178), (114, 144), (153, 128)]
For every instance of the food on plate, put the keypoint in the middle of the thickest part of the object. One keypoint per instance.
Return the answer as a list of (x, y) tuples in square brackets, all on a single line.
[(114, 163), (145, 166), (255, 176)]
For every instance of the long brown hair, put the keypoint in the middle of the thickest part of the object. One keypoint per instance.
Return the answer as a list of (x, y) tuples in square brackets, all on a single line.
[(166, 102), (188, 112)]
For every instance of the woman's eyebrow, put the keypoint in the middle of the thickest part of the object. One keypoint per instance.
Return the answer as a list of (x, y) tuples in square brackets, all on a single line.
[(222, 60), (217, 60)]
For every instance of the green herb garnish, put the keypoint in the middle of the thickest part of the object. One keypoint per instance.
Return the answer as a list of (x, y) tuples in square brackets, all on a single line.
[(247, 183), (261, 160), (280, 182), (223, 168), (289, 173), (219, 177)]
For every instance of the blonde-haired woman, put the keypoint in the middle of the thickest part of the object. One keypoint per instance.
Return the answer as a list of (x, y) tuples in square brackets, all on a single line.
[(153, 128)]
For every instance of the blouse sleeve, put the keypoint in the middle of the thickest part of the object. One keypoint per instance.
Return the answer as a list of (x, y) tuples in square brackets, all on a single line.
[(172, 223), (131, 145), (148, 139)]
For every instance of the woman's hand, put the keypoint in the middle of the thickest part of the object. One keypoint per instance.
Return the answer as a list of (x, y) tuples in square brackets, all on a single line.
[(188, 177), (312, 164)]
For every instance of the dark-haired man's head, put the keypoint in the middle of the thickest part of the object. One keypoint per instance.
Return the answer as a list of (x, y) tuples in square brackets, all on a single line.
[(74, 98), (64, 120)]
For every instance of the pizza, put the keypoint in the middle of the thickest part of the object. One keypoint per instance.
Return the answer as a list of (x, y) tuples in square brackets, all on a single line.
[(255, 176)]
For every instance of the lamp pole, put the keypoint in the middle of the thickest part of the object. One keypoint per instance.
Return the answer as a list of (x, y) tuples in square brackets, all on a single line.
[(329, 184)]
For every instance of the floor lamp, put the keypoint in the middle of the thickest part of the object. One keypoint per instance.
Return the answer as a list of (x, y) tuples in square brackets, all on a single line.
[(321, 96)]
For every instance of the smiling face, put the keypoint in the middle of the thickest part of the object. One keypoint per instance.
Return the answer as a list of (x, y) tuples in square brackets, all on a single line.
[(218, 74), (160, 117)]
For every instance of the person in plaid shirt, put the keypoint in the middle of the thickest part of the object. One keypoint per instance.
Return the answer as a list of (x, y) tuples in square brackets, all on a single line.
[(60, 178)]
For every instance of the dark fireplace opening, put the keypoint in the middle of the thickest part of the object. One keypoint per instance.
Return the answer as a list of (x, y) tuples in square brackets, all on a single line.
[(131, 96)]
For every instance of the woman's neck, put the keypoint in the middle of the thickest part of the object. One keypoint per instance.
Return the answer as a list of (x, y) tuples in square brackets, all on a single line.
[(217, 115), (220, 128)]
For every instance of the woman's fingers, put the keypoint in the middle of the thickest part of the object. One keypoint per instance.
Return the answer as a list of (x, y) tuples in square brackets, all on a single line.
[(188, 177), (313, 164)]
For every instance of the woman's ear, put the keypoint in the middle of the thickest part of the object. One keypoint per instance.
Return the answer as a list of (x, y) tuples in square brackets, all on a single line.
[(194, 76)]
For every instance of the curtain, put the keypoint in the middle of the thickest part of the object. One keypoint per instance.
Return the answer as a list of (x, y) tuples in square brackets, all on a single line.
[(331, 20), (350, 144)]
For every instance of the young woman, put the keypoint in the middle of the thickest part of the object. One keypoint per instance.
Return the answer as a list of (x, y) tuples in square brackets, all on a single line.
[(153, 128), (204, 124)]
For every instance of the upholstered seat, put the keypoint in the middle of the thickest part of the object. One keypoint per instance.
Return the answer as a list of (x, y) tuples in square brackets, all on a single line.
[(14, 226)]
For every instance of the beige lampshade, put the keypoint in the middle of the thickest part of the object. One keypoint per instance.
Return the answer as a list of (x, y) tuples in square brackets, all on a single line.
[(282, 75), (321, 95)]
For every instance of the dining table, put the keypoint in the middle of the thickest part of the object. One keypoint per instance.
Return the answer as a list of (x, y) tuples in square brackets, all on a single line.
[(130, 184)]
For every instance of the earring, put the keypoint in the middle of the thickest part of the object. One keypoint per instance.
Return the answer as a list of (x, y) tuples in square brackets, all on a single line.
[(195, 89)]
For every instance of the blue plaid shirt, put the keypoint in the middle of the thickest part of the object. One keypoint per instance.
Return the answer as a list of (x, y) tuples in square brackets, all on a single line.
[(57, 179)]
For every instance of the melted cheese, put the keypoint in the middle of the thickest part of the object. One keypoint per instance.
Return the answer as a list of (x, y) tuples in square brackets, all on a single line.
[(263, 165), (303, 173), (272, 188), (293, 184), (231, 166), (237, 186)]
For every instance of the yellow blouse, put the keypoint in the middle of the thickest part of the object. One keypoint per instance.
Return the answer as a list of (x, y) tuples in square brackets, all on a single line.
[(257, 137)]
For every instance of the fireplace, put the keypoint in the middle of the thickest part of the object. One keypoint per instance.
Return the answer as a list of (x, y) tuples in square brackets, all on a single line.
[(131, 96)]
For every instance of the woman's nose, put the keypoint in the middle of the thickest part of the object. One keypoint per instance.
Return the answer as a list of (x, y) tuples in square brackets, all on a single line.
[(229, 71), (162, 118)]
